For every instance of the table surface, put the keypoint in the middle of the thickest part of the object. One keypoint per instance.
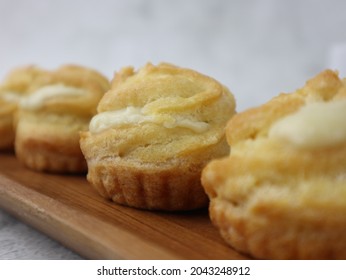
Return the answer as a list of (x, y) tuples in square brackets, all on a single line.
[(257, 49), (68, 209)]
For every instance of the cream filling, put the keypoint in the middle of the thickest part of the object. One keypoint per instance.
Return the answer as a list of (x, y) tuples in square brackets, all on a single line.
[(9, 96), (315, 125), (38, 98), (135, 115)]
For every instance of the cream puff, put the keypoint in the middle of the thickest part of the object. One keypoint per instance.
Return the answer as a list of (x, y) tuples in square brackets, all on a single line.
[(281, 194), (155, 130), (13, 88), (60, 104)]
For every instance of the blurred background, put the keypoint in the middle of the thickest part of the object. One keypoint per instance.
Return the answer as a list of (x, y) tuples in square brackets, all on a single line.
[(257, 48)]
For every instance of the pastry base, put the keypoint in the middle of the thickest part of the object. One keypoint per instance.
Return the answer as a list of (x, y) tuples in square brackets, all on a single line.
[(50, 143), (269, 237), (148, 187), (42, 156), (7, 135)]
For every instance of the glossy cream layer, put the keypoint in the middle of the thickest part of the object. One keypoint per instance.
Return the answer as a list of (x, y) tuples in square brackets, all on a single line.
[(8, 96), (135, 115), (315, 125), (38, 98)]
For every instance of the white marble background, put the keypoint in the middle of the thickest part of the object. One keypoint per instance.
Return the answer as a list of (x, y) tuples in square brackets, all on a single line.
[(257, 48)]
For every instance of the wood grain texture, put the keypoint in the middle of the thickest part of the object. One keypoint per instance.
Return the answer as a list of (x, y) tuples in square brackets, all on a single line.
[(69, 210)]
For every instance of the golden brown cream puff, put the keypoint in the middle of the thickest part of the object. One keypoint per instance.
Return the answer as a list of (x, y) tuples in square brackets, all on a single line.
[(15, 86), (156, 128), (281, 194), (60, 104)]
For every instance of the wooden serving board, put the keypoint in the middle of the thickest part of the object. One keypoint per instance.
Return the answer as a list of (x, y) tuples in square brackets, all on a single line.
[(70, 211)]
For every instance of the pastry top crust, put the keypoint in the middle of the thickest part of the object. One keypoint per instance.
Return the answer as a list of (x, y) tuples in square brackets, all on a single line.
[(16, 85), (160, 112), (162, 88), (20, 79), (70, 89), (256, 122)]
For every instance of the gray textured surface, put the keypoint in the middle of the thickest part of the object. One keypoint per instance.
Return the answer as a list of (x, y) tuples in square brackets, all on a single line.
[(19, 241), (257, 48)]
